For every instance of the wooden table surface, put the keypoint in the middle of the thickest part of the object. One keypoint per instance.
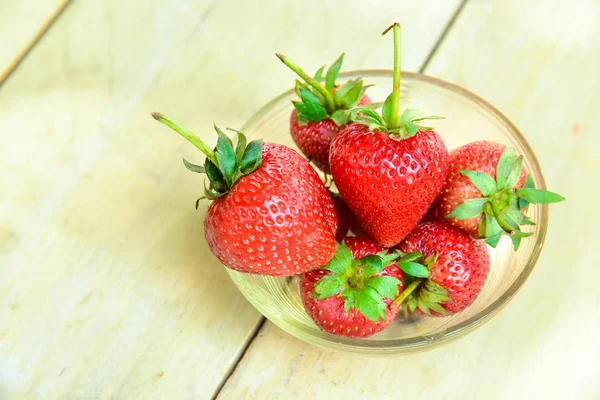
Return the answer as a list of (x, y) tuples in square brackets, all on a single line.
[(107, 290)]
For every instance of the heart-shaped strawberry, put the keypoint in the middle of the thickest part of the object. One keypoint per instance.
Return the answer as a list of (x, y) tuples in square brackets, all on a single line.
[(388, 168)]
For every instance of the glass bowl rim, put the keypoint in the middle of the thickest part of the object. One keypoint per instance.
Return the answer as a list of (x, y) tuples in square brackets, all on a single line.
[(462, 328)]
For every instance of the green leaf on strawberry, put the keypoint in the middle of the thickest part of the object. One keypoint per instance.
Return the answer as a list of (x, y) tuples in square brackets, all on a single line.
[(341, 260), (320, 102), (240, 148), (319, 73), (420, 291), (349, 94), (370, 303), (193, 167), (469, 209), (358, 281), (300, 85), (516, 237), (340, 117), (387, 257), (370, 265), (310, 107), (387, 286), (529, 184), (409, 257), (333, 72), (328, 286), (503, 205), (504, 167), (537, 196), (414, 269), (226, 158), (486, 185), (225, 164)]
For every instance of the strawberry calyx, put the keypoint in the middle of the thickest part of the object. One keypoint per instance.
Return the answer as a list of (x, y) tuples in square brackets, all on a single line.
[(319, 102), (358, 282), (420, 291), (390, 121), (503, 206), (224, 165)]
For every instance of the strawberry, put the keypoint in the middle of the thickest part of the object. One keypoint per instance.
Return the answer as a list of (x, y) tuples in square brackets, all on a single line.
[(352, 293), (323, 110), (344, 214), (270, 213), (455, 269), (487, 192), (346, 220), (388, 169)]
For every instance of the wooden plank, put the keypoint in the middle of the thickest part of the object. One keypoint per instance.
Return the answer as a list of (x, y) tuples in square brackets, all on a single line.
[(543, 74), (107, 289), (21, 24)]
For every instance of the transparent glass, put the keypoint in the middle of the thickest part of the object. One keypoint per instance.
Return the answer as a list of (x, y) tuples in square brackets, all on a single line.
[(468, 118)]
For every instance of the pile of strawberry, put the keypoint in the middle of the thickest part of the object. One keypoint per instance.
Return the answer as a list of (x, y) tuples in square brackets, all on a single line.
[(409, 228)]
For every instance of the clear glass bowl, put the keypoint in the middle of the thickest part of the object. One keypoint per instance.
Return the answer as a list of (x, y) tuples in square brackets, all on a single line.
[(468, 118)]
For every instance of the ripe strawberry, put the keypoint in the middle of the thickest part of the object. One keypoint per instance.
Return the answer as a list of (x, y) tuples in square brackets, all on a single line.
[(388, 169), (346, 220), (270, 213), (457, 267), (351, 295), (322, 111), (344, 214), (487, 191)]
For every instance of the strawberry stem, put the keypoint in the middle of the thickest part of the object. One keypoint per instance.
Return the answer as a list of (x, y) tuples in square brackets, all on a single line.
[(193, 139), (329, 102), (393, 123), (406, 292)]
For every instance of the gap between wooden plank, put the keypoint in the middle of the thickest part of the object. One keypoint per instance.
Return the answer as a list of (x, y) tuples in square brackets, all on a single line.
[(239, 357), (4, 75), (262, 321), (443, 35)]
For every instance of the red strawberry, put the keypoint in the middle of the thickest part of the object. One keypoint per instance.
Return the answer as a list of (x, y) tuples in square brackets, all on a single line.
[(457, 268), (486, 192), (322, 111), (346, 220), (388, 169), (351, 295), (481, 156), (270, 213), (314, 138), (344, 214)]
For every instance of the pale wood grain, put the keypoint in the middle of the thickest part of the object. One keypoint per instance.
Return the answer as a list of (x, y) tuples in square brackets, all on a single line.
[(22, 22), (106, 287), (537, 61)]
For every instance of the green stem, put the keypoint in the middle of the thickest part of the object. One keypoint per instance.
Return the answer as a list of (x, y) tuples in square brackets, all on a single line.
[(193, 139), (406, 292), (329, 102), (393, 123), (496, 211)]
